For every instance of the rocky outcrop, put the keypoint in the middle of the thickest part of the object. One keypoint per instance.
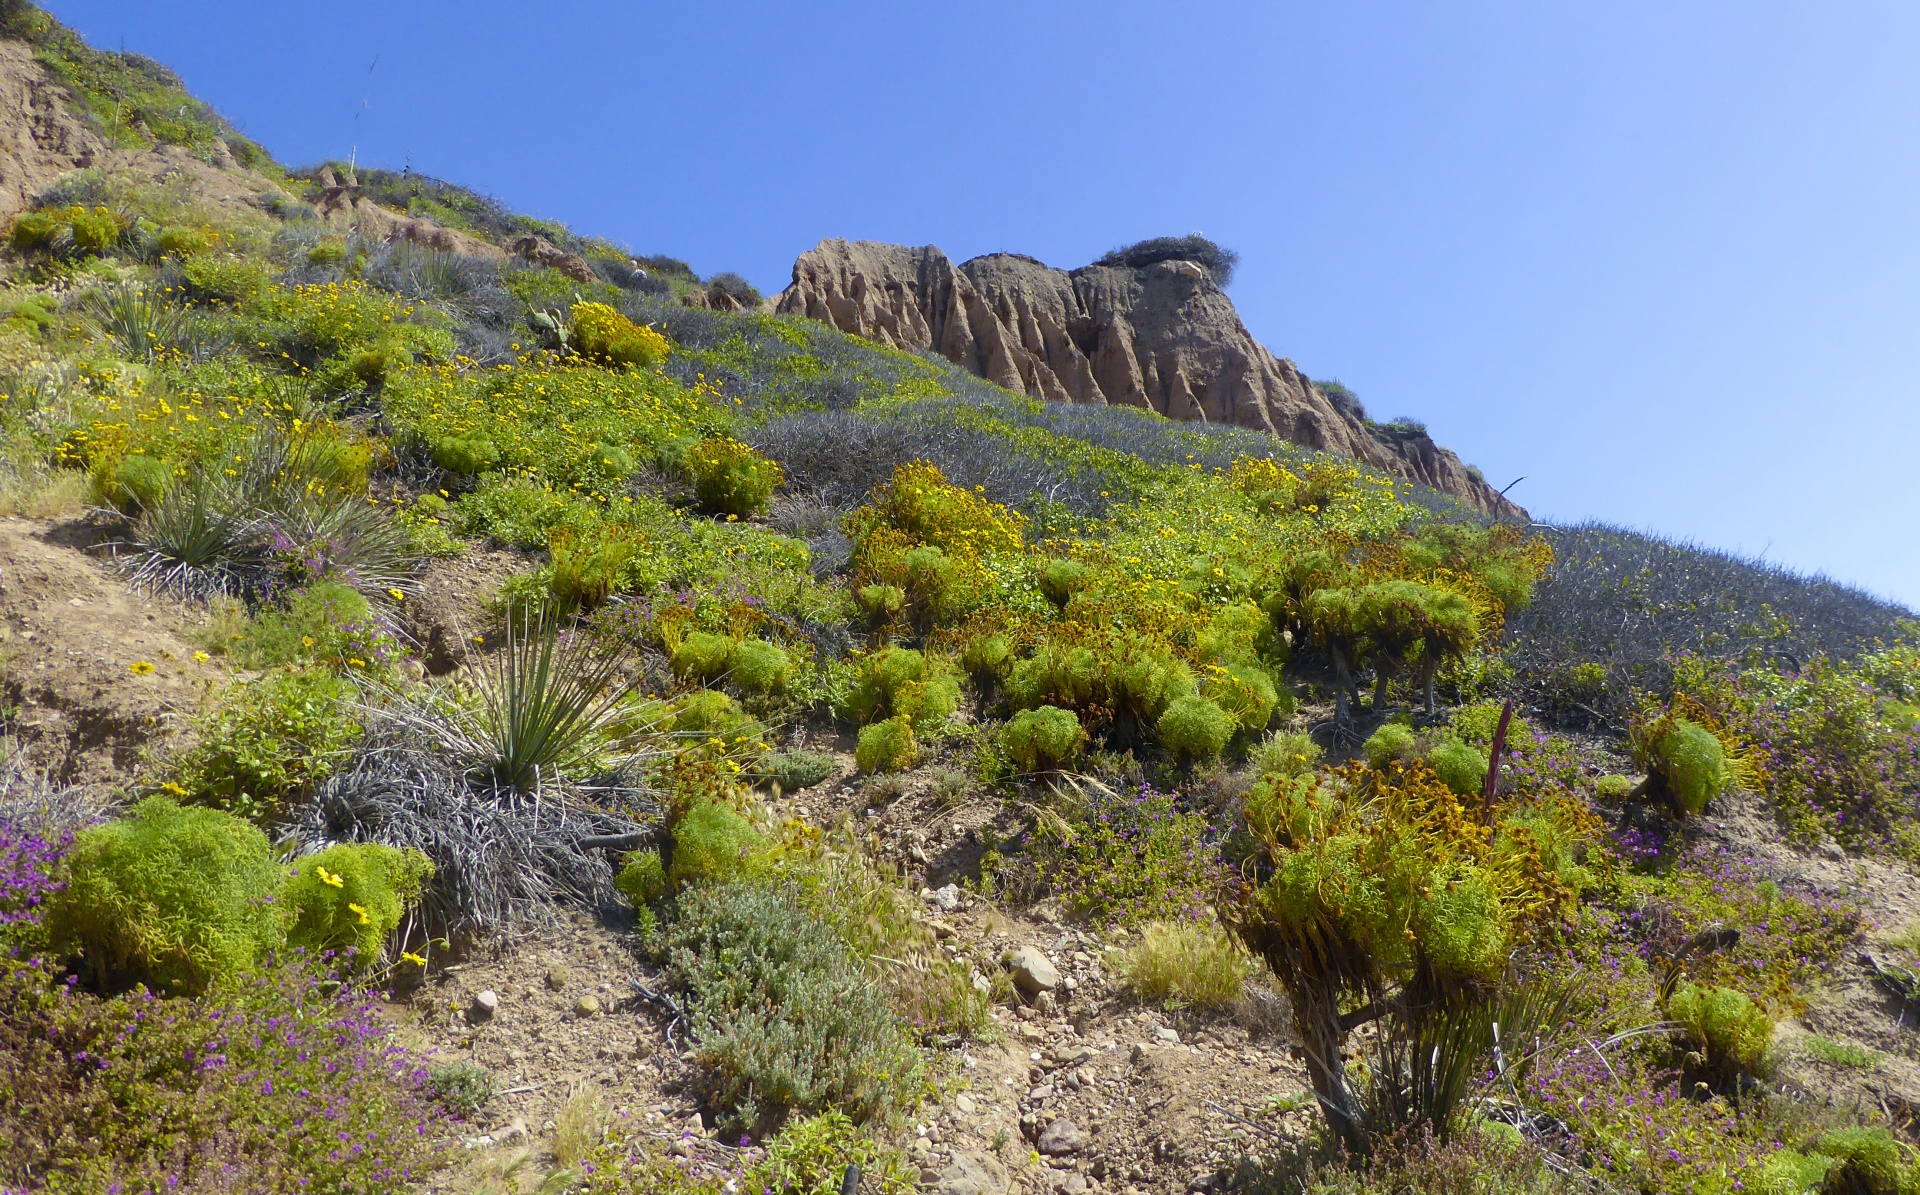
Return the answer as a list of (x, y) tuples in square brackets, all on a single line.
[(40, 140), (342, 206), (1164, 337)]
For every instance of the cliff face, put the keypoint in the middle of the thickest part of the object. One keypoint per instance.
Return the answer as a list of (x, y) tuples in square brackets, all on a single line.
[(1162, 336)]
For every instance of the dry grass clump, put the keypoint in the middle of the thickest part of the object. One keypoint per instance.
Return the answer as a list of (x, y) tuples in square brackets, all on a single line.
[(1198, 965)]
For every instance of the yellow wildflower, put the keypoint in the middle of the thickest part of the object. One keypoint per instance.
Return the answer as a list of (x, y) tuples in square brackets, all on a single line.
[(329, 878), (140, 668), (359, 912)]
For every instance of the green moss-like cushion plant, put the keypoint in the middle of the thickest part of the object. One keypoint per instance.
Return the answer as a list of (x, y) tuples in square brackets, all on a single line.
[(712, 844), (703, 655), (795, 770), (175, 897), (1462, 767), (1690, 761), (1392, 743), (642, 878), (1196, 728), (1246, 691), (902, 682), (887, 746), (350, 896), (1061, 579), (1728, 1031), (1865, 1160), (761, 667), (731, 478), (1042, 739), (1790, 1172), (465, 455)]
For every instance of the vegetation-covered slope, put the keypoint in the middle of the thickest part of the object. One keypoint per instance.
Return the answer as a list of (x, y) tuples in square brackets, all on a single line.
[(1520, 858)]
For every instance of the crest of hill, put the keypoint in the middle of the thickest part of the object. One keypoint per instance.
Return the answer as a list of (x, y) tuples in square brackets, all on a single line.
[(1148, 326)]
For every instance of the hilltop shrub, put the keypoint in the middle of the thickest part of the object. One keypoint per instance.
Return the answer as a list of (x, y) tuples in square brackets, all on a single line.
[(731, 478), (795, 770), (1245, 691), (466, 455), (887, 746), (1196, 728), (350, 896), (1285, 753), (1042, 739), (1126, 858), (179, 899), (1461, 767), (904, 683), (1729, 1033), (760, 667), (601, 332), (642, 878), (703, 655), (70, 231), (785, 1018), (1868, 1161), (712, 844), (1061, 579)]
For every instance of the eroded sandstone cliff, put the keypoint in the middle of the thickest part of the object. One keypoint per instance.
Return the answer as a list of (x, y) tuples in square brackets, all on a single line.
[(1162, 336)]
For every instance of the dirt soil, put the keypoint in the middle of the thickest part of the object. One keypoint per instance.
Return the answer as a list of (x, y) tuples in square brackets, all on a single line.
[(75, 646)]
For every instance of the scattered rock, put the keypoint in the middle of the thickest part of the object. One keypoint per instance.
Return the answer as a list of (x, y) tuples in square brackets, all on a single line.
[(557, 979), (586, 1006), (1033, 972), (513, 1134), (1062, 1137), (483, 1007), (921, 1148), (972, 1174), (1171, 1036), (941, 930), (963, 1105), (948, 898)]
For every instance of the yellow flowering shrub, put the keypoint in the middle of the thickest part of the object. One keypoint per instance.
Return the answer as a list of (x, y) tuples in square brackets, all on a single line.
[(602, 333)]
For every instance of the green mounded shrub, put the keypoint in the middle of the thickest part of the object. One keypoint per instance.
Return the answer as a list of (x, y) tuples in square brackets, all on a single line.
[(987, 656), (760, 667), (712, 844), (273, 741), (70, 231), (731, 478), (351, 896), (1285, 753), (795, 770), (904, 683), (1246, 691), (1462, 927), (1040, 740), (1613, 787), (227, 280), (173, 897), (466, 455), (1392, 743), (1477, 723), (1866, 1161), (642, 878), (1462, 767), (1061, 579), (140, 482), (1196, 728), (324, 621), (1790, 1172), (463, 1087), (710, 713), (887, 746), (785, 1016), (880, 603), (1690, 761), (703, 655), (1729, 1033)]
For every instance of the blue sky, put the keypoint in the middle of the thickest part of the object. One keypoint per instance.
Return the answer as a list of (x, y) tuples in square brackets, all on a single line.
[(1661, 259)]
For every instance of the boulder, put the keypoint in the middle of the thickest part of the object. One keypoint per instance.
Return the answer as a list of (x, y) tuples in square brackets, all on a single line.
[(1033, 972), (1062, 1137), (972, 1174)]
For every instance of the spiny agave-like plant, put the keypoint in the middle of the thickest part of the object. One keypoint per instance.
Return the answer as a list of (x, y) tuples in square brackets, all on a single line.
[(1379, 892), (195, 543), (140, 322)]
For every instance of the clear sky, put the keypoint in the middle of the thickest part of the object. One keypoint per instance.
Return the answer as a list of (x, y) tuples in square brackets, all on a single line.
[(1661, 259)]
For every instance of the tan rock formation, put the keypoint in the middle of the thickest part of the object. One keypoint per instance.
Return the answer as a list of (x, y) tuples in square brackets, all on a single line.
[(39, 139), (1164, 337)]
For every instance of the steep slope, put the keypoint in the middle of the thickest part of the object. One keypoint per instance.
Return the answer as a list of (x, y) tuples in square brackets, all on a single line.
[(1162, 336)]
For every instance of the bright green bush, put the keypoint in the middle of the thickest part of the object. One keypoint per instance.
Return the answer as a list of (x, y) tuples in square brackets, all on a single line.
[(731, 478), (140, 482), (71, 231), (228, 280), (465, 455), (1790, 1172), (1729, 1032), (760, 667), (351, 896), (887, 746), (642, 878), (1245, 690), (1285, 753), (785, 1017), (272, 742), (703, 655), (1866, 1161), (1061, 579), (1613, 788), (710, 713), (712, 844), (880, 603), (1198, 965), (987, 656), (173, 897), (904, 683), (1392, 743), (1196, 727), (1689, 760), (1460, 766), (1042, 739)]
